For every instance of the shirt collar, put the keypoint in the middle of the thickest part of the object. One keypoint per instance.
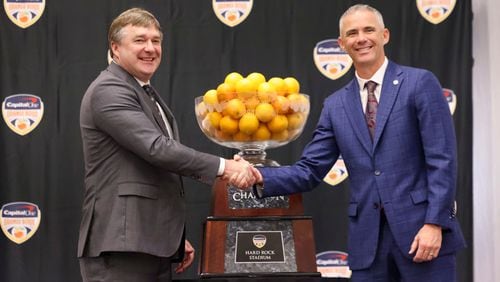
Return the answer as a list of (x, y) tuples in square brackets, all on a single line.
[(141, 83), (377, 77)]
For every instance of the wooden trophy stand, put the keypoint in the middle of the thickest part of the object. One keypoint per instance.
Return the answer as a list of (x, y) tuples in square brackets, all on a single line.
[(250, 237)]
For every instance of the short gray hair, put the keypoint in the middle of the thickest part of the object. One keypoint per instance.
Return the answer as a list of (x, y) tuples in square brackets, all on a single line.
[(360, 7)]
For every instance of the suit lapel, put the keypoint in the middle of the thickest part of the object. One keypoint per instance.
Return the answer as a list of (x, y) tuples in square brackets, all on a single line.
[(393, 79), (170, 118), (352, 103), (169, 115), (156, 114), (125, 76)]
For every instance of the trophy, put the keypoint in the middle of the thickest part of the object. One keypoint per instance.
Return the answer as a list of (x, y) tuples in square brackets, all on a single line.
[(247, 236)]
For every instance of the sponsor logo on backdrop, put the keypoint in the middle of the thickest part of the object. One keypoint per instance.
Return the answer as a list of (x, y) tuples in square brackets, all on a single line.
[(337, 173), (451, 98), (435, 11), (22, 112), (24, 13), (333, 264), (20, 221), (330, 59), (232, 12)]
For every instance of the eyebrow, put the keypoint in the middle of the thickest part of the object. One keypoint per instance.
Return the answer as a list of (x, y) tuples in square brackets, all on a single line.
[(371, 27), (351, 31), (145, 35)]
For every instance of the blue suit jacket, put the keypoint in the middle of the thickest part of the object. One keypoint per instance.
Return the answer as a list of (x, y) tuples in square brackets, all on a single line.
[(410, 167)]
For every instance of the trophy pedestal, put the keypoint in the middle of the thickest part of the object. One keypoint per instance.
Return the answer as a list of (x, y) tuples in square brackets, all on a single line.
[(250, 237)]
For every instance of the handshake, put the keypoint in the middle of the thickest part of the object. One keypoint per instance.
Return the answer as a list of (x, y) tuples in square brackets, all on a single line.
[(241, 173)]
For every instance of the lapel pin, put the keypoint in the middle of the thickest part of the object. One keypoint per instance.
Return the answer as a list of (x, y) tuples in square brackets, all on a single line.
[(395, 82)]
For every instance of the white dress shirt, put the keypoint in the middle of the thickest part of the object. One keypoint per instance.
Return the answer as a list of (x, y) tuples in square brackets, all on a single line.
[(378, 77)]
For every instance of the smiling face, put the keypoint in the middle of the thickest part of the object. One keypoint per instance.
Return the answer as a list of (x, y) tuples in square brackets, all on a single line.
[(363, 36), (138, 51)]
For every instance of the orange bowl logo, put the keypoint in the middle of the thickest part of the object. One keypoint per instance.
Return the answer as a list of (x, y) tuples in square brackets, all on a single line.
[(24, 13), (232, 12), (451, 98), (19, 221), (22, 112), (435, 11), (259, 240), (337, 173), (333, 264), (330, 59)]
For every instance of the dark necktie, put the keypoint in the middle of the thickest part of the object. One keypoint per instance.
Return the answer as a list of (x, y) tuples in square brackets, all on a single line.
[(371, 107), (152, 102)]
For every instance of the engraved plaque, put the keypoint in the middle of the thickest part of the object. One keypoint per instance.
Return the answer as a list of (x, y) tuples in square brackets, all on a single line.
[(239, 199), (259, 247), (242, 254)]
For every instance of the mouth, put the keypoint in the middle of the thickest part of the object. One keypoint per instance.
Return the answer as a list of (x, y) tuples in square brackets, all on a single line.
[(148, 59), (364, 49)]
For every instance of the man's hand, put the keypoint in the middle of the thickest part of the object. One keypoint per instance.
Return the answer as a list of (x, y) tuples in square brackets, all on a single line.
[(427, 243), (256, 175), (188, 258), (239, 173)]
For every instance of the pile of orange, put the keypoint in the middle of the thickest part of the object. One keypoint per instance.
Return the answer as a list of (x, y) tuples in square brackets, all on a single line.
[(252, 108)]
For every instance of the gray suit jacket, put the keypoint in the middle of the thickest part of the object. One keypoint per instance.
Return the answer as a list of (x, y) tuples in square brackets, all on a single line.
[(134, 199)]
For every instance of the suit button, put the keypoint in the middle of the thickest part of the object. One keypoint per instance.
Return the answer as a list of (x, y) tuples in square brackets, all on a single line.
[(377, 172), (376, 206)]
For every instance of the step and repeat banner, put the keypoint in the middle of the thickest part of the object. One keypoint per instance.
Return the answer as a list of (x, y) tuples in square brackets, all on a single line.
[(50, 51)]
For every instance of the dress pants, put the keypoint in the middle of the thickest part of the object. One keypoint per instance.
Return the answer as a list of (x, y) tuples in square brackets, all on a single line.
[(391, 264), (125, 267)]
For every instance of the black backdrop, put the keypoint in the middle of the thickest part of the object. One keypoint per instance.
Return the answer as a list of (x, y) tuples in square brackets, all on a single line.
[(63, 52)]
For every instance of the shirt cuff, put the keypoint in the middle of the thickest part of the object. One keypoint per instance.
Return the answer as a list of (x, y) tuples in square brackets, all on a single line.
[(222, 167), (258, 190)]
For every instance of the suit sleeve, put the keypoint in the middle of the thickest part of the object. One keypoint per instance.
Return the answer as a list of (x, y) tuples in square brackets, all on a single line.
[(439, 146), (317, 158), (117, 111)]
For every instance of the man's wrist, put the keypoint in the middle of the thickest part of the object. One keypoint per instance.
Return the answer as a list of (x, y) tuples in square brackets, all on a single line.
[(222, 167)]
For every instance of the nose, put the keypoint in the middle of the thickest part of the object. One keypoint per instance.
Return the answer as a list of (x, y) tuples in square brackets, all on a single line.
[(149, 45), (361, 37)]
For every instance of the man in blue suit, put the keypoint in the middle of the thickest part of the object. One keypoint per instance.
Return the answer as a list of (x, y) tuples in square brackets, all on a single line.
[(399, 146)]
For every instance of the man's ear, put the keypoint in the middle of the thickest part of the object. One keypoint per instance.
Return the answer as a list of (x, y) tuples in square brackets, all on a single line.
[(341, 43), (387, 36), (114, 50)]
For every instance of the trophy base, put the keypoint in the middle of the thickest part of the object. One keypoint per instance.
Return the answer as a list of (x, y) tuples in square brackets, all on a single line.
[(258, 246)]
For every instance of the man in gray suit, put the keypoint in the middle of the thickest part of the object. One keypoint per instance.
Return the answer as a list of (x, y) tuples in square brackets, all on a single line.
[(133, 211)]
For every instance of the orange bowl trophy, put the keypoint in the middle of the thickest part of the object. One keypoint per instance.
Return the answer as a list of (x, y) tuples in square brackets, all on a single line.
[(251, 114)]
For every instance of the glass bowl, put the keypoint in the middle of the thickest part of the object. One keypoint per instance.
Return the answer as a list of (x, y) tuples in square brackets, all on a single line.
[(252, 126)]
